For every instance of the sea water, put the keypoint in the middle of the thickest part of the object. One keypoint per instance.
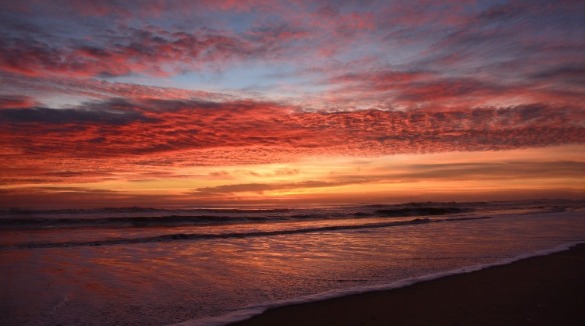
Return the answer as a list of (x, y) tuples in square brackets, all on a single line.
[(210, 266)]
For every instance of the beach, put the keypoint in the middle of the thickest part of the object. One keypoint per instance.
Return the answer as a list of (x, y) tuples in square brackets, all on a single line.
[(545, 290)]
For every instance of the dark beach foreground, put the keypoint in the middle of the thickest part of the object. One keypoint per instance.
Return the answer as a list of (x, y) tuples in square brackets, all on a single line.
[(546, 290)]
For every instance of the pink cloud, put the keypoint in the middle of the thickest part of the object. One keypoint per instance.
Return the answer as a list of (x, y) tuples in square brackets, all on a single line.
[(186, 133), (431, 91), (149, 51)]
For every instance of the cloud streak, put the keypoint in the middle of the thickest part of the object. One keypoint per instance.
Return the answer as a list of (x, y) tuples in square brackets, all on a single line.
[(516, 170)]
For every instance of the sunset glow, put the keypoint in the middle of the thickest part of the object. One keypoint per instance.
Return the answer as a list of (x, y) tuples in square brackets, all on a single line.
[(279, 103)]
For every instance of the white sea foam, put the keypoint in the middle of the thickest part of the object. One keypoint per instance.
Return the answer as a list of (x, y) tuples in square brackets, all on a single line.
[(251, 311)]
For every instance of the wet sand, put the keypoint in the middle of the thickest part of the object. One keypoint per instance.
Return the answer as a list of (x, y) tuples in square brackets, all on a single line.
[(547, 290)]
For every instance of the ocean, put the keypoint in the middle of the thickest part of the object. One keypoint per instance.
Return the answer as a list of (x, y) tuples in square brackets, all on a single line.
[(212, 266)]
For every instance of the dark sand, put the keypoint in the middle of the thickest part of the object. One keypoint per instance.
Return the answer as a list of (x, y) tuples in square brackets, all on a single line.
[(548, 290)]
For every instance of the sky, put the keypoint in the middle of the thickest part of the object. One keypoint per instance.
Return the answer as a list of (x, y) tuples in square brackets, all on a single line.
[(289, 103)]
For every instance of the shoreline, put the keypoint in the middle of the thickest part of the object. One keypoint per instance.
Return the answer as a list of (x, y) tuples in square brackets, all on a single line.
[(540, 289)]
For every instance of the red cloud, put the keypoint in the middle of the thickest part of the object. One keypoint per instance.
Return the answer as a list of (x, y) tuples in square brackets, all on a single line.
[(118, 135)]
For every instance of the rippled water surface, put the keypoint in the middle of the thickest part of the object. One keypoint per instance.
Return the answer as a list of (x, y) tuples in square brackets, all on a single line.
[(56, 273)]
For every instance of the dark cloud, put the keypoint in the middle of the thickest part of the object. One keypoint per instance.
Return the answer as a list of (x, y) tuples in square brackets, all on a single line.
[(507, 42), (511, 170), (499, 13), (129, 51), (380, 80), (68, 116), (568, 74), (15, 101), (506, 169), (262, 187), (68, 197), (446, 88)]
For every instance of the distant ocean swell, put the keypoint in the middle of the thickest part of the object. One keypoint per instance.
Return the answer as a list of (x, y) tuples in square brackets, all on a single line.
[(22, 219), (204, 236)]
